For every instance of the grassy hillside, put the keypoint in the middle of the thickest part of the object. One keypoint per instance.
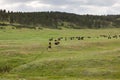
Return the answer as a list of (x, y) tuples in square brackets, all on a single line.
[(24, 55), (58, 20)]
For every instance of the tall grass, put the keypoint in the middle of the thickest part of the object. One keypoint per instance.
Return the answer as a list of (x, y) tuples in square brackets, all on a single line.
[(24, 55)]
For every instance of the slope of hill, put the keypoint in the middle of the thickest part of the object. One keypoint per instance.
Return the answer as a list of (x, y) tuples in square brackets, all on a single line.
[(58, 20)]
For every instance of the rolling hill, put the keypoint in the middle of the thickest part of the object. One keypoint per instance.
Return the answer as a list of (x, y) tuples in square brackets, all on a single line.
[(57, 20)]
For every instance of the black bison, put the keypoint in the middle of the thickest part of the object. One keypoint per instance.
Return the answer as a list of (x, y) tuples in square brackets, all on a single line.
[(57, 42)]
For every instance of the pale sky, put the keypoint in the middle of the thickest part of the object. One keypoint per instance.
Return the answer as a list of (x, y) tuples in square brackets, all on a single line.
[(96, 7)]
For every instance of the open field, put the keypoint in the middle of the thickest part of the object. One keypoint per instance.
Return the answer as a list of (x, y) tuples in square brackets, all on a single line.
[(24, 55)]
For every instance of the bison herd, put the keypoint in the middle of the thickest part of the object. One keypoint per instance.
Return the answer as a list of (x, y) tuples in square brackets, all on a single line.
[(110, 37), (56, 41)]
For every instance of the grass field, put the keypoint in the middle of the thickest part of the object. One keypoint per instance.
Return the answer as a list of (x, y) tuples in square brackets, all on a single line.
[(24, 55)]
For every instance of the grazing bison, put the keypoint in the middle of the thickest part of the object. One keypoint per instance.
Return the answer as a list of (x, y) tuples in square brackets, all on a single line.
[(82, 38), (71, 38), (109, 37), (59, 39), (78, 38), (119, 36), (103, 36), (50, 45), (115, 36), (57, 42), (88, 37), (51, 39)]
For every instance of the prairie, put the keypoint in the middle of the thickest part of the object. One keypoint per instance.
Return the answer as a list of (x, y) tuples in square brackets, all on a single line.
[(24, 55)]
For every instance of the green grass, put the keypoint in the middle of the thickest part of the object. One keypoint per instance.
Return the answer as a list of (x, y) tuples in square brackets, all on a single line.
[(24, 55)]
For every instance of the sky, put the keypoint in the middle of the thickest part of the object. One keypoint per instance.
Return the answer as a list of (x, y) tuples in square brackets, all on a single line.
[(95, 7)]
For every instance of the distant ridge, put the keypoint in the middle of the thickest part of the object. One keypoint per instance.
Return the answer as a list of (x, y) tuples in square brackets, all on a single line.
[(58, 20)]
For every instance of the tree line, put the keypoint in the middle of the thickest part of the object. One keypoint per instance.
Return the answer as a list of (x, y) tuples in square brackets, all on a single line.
[(57, 20)]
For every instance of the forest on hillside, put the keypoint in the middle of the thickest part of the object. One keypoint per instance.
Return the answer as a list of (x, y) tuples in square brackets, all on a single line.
[(57, 20)]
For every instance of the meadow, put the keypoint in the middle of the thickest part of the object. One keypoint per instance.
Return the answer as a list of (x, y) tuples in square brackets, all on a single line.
[(24, 55)]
